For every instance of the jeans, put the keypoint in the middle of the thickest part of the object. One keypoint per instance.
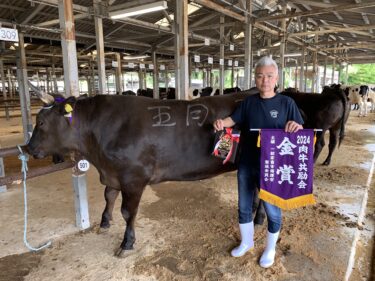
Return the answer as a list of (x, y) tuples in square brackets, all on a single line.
[(248, 180)]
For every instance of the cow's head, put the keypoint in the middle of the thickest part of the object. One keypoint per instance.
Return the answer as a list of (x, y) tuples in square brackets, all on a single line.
[(53, 132), (363, 90)]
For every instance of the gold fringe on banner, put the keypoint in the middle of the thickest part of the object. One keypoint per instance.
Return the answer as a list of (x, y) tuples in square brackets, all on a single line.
[(287, 204), (258, 141)]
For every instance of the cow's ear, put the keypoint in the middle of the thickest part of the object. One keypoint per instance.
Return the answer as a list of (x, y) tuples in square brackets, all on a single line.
[(67, 106)]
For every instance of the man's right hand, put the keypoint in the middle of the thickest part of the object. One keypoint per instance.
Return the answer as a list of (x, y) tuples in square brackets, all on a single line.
[(219, 124)]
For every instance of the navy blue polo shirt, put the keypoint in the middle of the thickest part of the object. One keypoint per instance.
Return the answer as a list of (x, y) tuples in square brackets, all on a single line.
[(258, 113)]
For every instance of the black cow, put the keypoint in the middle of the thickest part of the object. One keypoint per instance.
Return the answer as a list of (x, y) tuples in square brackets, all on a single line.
[(205, 92), (228, 91), (128, 93), (135, 141), (145, 92), (326, 111)]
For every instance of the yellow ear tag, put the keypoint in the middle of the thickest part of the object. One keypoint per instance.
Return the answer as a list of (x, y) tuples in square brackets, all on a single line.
[(68, 108)]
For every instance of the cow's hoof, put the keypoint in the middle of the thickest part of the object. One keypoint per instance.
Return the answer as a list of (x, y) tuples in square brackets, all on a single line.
[(122, 253), (105, 224), (102, 230), (326, 163)]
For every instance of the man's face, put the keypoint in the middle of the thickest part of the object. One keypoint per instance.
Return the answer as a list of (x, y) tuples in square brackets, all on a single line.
[(266, 78)]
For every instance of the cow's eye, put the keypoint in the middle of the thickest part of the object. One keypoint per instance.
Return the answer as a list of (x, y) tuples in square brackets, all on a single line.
[(40, 123)]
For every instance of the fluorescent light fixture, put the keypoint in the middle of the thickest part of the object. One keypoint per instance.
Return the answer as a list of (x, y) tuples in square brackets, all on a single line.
[(292, 55), (276, 44), (239, 35), (135, 57), (147, 8), (192, 7)]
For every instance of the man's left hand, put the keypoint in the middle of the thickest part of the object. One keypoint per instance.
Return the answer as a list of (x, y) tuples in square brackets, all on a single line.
[(292, 127)]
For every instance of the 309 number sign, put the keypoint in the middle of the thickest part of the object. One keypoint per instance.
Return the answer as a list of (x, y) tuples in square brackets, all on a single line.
[(8, 34)]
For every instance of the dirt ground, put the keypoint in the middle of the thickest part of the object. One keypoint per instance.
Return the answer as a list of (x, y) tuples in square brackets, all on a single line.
[(185, 230)]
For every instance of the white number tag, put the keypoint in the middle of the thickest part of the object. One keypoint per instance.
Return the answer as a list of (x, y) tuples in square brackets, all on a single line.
[(8, 34), (83, 165)]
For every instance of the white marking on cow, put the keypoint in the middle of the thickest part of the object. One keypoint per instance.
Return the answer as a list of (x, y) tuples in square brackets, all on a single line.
[(371, 97), (196, 114), (162, 118), (355, 97), (361, 215), (47, 107)]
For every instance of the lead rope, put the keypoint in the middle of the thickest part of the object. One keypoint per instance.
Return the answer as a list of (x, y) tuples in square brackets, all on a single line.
[(24, 158)]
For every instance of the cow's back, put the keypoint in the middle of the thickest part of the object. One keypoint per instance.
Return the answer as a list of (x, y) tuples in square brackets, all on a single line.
[(167, 140), (319, 110)]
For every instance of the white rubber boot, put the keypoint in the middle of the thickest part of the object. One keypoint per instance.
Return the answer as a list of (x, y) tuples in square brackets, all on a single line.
[(247, 239), (268, 256)]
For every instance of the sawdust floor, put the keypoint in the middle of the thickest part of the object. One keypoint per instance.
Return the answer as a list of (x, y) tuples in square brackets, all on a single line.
[(185, 230)]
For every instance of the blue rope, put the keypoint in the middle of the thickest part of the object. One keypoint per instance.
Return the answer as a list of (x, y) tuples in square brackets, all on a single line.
[(24, 158)]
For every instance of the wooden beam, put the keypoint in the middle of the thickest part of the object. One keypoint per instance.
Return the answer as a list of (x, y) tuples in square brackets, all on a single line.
[(57, 21), (357, 46), (332, 30), (318, 11), (220, 9)]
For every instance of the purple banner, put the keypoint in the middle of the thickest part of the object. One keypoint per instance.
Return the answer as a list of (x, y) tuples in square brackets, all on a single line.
[(286, 173)]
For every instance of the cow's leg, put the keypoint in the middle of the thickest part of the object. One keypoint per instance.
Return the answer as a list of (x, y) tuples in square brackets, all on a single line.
[(258, 209), (320, 143), (333, 137), (57, 158), (260, 213), (110, 195), (131, 196)]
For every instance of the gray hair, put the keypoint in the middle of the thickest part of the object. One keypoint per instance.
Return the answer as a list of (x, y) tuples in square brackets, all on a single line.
[(266, 61)]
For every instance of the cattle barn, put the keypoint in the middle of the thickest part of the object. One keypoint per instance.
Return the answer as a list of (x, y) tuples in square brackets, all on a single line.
[(106, 137)]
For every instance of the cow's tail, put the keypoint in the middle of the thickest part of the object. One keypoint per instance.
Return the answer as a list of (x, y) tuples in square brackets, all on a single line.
[(344, 113)]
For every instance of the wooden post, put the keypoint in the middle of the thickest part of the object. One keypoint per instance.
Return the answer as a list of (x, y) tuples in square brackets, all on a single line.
[(47, 80), (325, 71), (24, 89), (248, 47), (68, 44), (155, 72), (333, 70), (305, 82), (302, 78), (3, 188), (2, 74), (118, 74), (181, 50), (346, 74), (204, 77), (10, 86), (222, 63), (100, 48), (282, 50), (315, 65)]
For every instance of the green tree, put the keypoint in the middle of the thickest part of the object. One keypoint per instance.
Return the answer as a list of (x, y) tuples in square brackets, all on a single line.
[(360, 74)]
